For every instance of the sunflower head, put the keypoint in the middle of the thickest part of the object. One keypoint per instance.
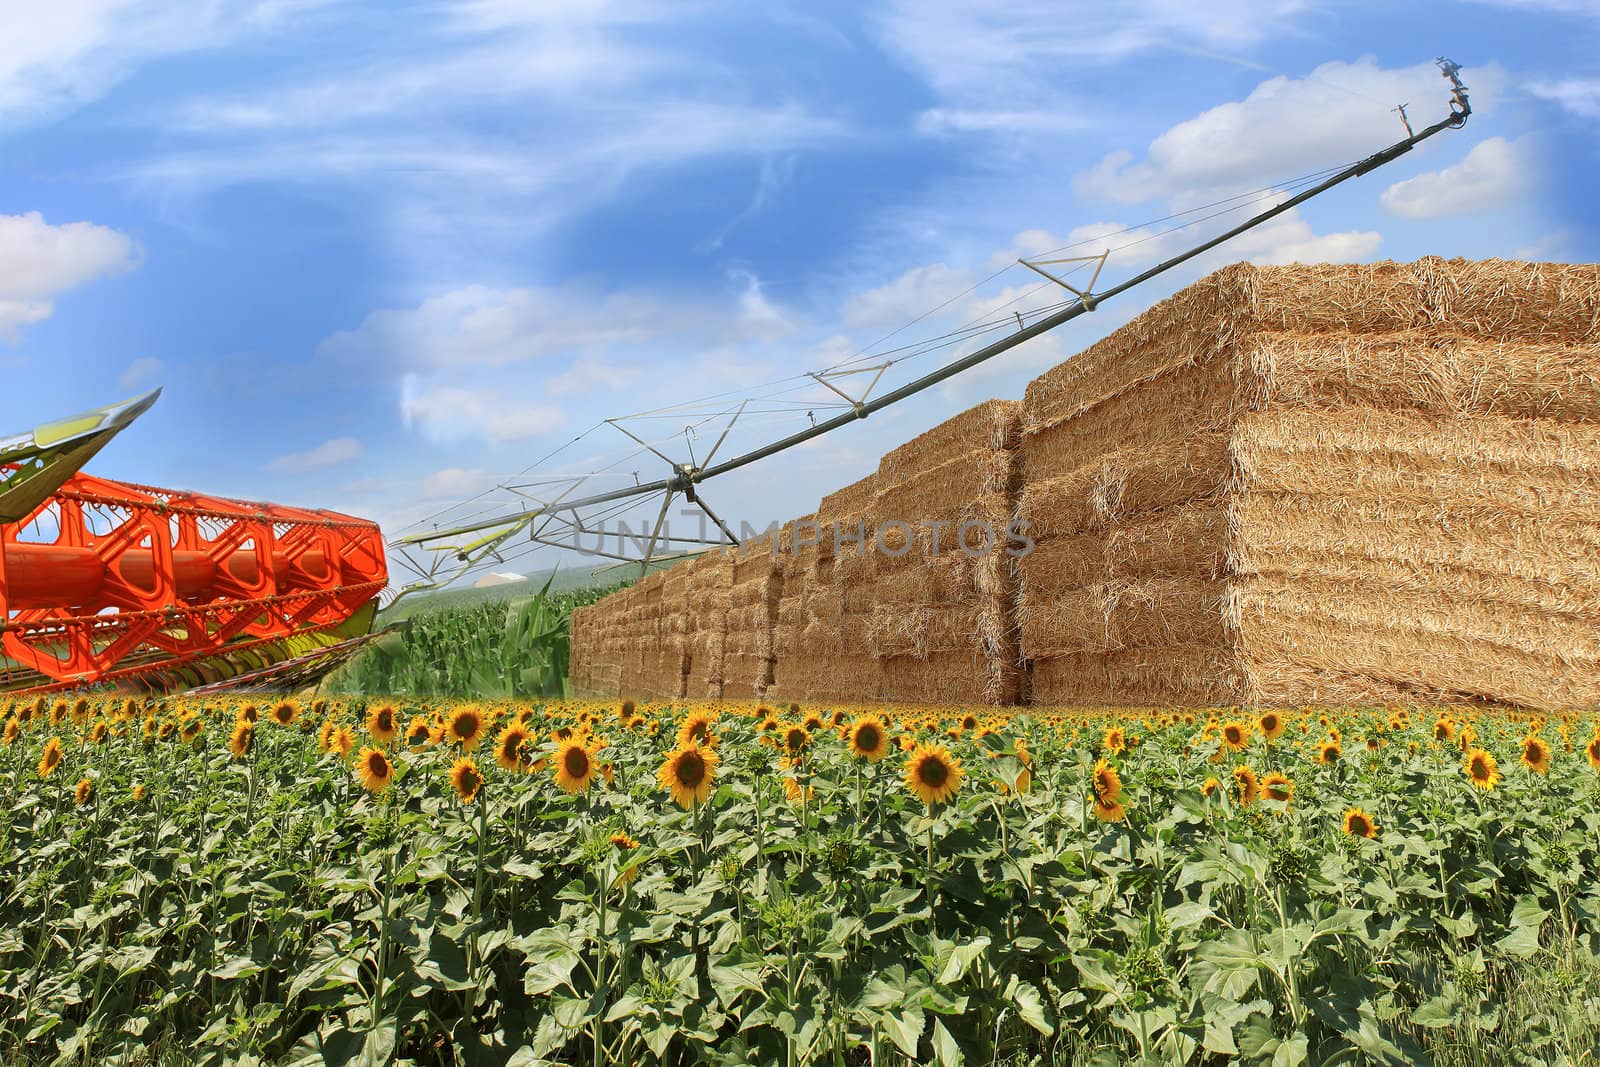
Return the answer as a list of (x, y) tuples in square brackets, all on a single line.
[(1210, 787), (1235, 735), (574, 765), (1107, 783), (869, 738), (381, 723), (466, 779), (50, 758), (1443, 731), (1592, 750), (1271, 725), (419, 734), (1358, 823), (1535, 754), (284, 712), (932, 775), (796, 739), (1246, 788), (1481, 769), (1115, 740), (697, 728), (465, 727), (242, 739), (374, 769), (688, 773), (1277, 786), (1328, 752), (140, 792), (511, 748), (84, 791)]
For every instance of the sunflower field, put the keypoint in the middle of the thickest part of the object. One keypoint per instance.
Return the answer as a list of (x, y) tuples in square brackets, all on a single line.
[(372, 882)]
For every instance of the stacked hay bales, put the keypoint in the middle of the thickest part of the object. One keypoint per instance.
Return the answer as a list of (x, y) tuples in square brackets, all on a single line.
[(822, 623), (1336, 484), (752, 597), (645, 663), (710, 576), (942, 580)]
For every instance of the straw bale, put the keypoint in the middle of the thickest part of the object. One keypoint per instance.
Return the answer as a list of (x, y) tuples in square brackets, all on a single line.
[(1458, 548), (1184, 675), (922, 630), (1180, 401), (1188, 541), (941, 579), (1432, 372), (854, 499), (991, 426), (1127, 483), (1063, 565), (943, 678), (943, 492)]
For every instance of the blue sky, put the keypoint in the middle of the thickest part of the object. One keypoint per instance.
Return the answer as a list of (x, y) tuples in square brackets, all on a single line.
[(384, 255)]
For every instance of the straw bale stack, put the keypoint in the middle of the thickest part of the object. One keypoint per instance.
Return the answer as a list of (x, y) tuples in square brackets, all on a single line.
[(1324, 484), (943, 628), (752, 598), (821, 616)]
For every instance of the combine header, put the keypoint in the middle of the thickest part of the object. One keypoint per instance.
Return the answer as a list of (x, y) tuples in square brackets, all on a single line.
[(116, 585)]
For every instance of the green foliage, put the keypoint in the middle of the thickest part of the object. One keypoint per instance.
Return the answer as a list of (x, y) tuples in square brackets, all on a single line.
[(268, 911), (497, 650)]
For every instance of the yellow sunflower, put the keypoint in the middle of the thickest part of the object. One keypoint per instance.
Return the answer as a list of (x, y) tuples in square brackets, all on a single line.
[(1536, 755), (418, 733), (1277, 786), (795, 793), (341, 742), (574, 765), (1271, 725), (697, 727), (374, 770), (1107, 784), (1210, 787), (1235, 735), (1443, 731), (869, 738), (1482, 769), (1115, 740), (466, 779), (1592, 750), (381, 723), (1328, 752), (1358, 823), (624, 845), (1246, 788), (285, 712), (687, 773), (84, 792), (796, 739), (511, 748), (139, 793), (243, 737), (465, 727), (50, 759), (932, 775)]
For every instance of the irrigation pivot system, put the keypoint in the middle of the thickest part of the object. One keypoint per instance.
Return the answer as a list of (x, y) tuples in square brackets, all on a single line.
[(464, 547)]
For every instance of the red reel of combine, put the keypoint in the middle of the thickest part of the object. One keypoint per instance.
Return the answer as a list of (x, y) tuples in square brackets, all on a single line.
[(112, 582)]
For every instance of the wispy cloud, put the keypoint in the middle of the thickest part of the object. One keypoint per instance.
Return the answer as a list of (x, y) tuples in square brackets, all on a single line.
[(1496, 174), (1581, 96), (39, 262), (1284, 127), (333, 453)]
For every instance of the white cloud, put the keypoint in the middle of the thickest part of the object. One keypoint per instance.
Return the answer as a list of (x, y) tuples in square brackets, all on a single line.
[(1558, 246), (332, 453), (993, 65), (1581, 96), (39, 262), (64, 53), (480, 326), (453, 413), (454, 483), (1284, 127), (1495, 174), (912, 294), (140, 372)]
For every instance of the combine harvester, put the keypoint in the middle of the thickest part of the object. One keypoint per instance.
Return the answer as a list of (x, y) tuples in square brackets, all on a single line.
[(122, 587)]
